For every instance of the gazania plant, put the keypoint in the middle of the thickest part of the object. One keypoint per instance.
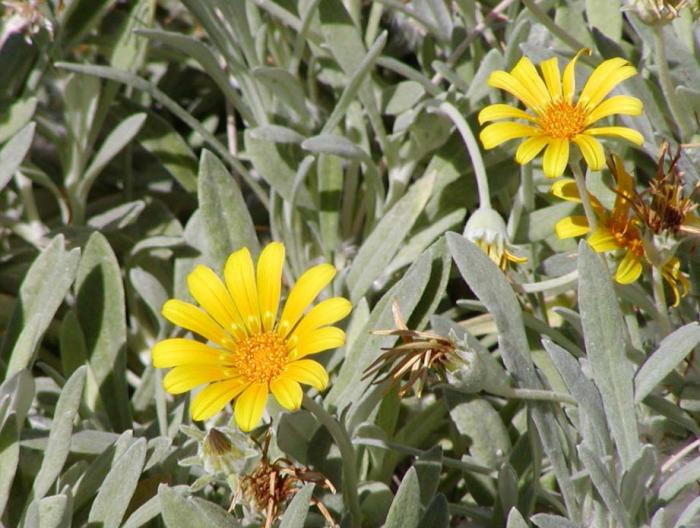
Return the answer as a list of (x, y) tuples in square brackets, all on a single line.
[(366, 264)]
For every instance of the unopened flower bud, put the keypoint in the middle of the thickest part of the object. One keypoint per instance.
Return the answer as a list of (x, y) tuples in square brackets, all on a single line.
[(487, 230), (226, 452), (464, 371)]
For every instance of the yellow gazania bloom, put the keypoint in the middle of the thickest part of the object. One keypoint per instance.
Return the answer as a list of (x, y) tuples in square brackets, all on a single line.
[(250, 353), (615, 231), (556, 120), (676, 279)]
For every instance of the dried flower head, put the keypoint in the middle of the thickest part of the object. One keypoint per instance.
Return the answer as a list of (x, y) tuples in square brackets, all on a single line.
[(663, 207), (28, 17), (658, 12), (270, 486), (419, 355)]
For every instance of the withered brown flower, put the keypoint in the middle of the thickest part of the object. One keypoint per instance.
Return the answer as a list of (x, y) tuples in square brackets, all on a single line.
[(419, 355), (663, 207), (272, 484)]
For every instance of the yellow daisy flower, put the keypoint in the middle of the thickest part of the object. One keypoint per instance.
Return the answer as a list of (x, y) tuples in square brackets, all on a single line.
[(556, 120), (250, 353), (617, 230)]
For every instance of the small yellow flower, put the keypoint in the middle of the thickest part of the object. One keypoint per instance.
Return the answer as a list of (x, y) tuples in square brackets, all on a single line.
[(251, 353), (557, 119), (617, 230)]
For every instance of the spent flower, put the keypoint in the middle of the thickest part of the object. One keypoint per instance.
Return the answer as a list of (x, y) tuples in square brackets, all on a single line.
[(420, 355), (269, 487), (487, 230), (251, 352), (556, 118)]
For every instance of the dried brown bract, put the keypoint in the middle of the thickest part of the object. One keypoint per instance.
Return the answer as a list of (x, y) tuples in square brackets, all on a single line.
[(419, 355), (272, 484), (663, 207)]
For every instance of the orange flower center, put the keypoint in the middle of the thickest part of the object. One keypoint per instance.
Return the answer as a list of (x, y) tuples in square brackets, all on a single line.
[(627, 236), (261, 357), (562, 120)]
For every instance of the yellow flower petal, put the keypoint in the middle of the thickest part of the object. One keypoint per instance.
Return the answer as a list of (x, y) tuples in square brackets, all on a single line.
[(624, 188), (556, 158), (497, 133), (505, 81), (604, 78), (213, 398), (569, 81), (309, 285), (514, 258), (495, 112), (317, 341), (671, 272), (571, 226), (623, 132), (187, 377), (592, 151), (552, 77), (324, 313), (602, 240), (250, 406), (618, 104), (530, 148), (287, 392), (173, 352), (192, 318), (240, 280), (566, 189), (208, 290), (525, 72), (629, 269), (270, 264), (308, 372)]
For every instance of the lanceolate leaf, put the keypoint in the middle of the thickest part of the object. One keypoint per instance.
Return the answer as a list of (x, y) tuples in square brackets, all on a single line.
[(101, 312), (227, 223), (42, 292), (605, 346)]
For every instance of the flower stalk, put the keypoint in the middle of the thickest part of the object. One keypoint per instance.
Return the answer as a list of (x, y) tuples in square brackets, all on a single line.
[(347, 452)]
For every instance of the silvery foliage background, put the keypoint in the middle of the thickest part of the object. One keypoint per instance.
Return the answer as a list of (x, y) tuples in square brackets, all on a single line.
[(138, 138)]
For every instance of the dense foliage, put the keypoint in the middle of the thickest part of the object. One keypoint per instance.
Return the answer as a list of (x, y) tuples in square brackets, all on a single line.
[(497, 368)]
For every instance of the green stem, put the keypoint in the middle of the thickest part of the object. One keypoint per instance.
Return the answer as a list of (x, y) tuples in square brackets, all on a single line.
[(583, 192), (347, 452), (412, 451), (666, 83), (538, 395), (660, 300), (558, 32), (482, 181)]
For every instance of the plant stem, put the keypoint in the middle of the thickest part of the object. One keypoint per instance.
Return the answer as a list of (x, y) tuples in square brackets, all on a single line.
[(412, 451), (679, 116), (482, 181), (347, 452), (660, 299), (538, 395), (583, 192)]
